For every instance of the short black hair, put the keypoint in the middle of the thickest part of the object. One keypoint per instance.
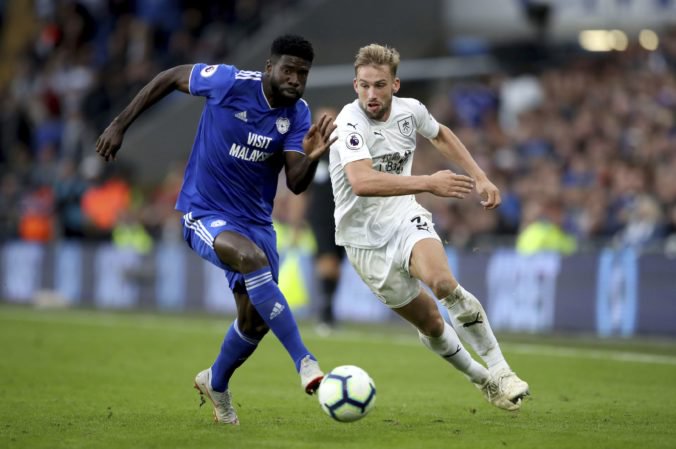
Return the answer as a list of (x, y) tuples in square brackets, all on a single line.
[(292, 45)]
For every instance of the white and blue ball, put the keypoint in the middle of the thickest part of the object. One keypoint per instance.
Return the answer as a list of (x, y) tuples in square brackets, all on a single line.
[(347, 393)]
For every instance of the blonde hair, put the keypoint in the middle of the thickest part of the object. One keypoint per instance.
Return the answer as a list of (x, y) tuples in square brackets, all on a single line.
[(376, 54)]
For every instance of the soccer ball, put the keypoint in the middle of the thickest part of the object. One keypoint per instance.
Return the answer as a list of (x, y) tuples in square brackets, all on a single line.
[(347, 393)]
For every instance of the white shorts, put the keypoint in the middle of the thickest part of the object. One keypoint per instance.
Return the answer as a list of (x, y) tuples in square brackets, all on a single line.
[(386, 269)]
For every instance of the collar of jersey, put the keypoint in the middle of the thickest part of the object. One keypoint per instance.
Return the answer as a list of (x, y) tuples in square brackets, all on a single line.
[(265, 99)]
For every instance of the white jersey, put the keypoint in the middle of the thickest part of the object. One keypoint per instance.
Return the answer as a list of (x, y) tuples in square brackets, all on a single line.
[(370, 222)]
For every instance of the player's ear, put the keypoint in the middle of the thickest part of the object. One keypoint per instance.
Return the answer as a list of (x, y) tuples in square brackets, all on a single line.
[(268, 66), (354, 84), (395, 85)]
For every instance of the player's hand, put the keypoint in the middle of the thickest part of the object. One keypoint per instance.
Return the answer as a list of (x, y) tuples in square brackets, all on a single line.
[(110, 141), (318, 138), (447, 184), (490, 195)]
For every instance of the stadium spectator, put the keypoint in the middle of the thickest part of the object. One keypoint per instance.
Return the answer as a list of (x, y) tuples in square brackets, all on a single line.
[(36, 222), (670, 232), (69, 188), (10, 197), (643, 226), (545, 231), (129, 233), (159, 216), (104, 203)]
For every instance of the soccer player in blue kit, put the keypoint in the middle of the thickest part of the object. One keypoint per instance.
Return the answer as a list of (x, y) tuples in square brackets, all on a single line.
[(252, 125)]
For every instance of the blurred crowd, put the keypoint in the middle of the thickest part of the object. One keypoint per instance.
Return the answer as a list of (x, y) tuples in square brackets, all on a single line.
[(586, 147), (584, 151), (74, 66)]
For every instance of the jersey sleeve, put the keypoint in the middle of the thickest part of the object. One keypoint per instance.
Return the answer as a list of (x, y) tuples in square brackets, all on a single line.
[(299, 127), (212, 81), (351, 143), (427, 125)]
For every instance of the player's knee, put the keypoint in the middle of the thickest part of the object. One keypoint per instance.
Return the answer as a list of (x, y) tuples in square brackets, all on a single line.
[(251, 259), (442, 285)]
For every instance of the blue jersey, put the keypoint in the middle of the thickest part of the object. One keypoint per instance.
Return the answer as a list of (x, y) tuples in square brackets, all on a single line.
[(239, 146)]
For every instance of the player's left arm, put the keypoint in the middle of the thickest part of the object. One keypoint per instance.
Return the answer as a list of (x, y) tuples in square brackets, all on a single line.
[(453, 149), (300, 167)]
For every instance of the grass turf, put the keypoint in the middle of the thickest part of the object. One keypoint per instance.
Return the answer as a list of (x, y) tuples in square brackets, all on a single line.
[(87, 379)]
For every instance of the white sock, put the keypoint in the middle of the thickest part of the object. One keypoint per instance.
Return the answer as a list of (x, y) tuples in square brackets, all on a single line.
[(448, 346), (471, 323)]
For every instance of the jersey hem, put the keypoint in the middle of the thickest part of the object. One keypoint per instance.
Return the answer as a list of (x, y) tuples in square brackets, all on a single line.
[(353, 245), (229, 217)]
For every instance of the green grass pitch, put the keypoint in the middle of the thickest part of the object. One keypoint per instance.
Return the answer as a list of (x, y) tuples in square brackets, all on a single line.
[(87, 379)]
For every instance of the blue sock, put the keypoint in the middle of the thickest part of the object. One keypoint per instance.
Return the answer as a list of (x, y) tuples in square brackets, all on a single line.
[(236, 348), (271, 305)]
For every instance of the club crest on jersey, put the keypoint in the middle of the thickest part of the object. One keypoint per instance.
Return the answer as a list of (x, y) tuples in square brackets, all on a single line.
[(208, 71), (283, 124), (354, 141), (406, 125)]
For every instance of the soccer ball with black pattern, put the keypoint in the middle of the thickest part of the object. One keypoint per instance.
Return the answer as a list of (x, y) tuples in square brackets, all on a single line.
[(347, 393)]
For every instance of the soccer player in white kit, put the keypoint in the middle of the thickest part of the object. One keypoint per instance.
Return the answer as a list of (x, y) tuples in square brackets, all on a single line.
[(389, 238)]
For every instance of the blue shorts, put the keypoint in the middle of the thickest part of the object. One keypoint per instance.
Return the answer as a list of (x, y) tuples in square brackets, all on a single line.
[(201, 232)]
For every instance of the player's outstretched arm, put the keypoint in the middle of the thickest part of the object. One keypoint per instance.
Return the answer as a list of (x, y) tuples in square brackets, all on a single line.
[(176, 78), (300, 168), (366, 181), (454, 150)]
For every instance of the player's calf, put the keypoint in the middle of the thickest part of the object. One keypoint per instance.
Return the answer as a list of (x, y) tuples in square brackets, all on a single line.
[(471, 323), (465, 309)]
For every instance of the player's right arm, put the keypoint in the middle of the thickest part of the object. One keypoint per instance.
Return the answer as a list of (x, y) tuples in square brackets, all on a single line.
[(176, 78), (366, 181)]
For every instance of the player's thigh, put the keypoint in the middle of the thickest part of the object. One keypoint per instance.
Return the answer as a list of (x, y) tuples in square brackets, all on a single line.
[(424, 314), (236, 248), (239, 252), (429, 263), (382, 271)]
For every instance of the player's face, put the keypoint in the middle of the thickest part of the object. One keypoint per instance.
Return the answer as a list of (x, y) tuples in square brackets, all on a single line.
[(288, 76), (375, 87)]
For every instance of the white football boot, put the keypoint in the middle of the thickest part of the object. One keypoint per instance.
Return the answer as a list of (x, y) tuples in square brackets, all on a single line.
[(511, 386), (310, 374), (491, 391), (222, 402)]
